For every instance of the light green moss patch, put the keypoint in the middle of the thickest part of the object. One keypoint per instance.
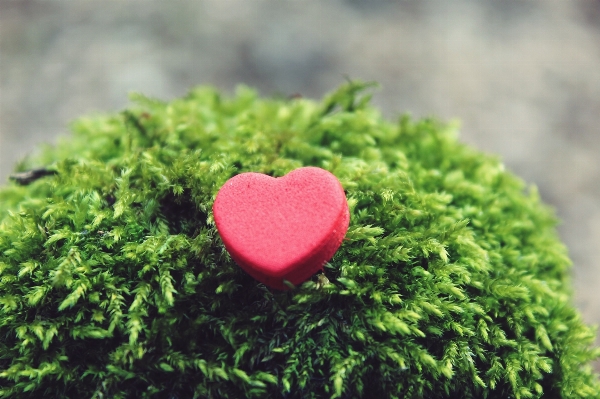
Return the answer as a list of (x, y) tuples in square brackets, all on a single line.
[(114, 282)]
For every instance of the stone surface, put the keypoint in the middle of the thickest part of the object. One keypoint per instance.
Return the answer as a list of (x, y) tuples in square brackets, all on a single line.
[(522, 76)]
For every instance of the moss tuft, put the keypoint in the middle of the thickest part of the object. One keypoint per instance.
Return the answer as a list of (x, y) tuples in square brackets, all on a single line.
[(451, 281)]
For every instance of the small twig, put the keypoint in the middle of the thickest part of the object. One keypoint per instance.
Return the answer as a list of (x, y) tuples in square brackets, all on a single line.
[(29, 176)]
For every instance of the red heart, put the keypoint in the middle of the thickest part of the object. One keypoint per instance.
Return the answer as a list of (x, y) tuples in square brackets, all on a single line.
[(282, 228)]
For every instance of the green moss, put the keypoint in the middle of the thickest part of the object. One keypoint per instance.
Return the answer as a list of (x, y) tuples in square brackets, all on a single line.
[(114, 282)]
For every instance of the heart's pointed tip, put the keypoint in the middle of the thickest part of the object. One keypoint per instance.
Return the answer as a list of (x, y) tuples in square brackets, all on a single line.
[(282, 228)]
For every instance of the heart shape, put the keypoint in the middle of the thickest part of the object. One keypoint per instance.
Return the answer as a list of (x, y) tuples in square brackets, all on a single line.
[(282, 228)]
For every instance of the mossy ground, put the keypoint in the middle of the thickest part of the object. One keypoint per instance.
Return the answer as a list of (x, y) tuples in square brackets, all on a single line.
[(114, 283)]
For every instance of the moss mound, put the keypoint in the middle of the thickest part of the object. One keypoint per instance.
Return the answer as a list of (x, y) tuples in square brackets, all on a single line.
[(114, 283)]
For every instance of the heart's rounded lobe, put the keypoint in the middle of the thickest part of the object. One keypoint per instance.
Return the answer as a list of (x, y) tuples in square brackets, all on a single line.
[(282, 228)]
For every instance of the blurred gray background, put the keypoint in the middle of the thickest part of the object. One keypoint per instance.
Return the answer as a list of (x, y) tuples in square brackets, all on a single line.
[(522, 76)]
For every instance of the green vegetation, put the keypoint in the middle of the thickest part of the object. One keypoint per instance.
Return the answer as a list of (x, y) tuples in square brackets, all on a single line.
[(114, 283)]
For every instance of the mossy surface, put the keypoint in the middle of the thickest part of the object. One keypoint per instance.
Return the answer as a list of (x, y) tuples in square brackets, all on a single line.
[(114, 283)]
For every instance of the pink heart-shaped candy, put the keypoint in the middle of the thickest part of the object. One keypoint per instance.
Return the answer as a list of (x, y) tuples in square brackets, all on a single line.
[(282, 228)]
